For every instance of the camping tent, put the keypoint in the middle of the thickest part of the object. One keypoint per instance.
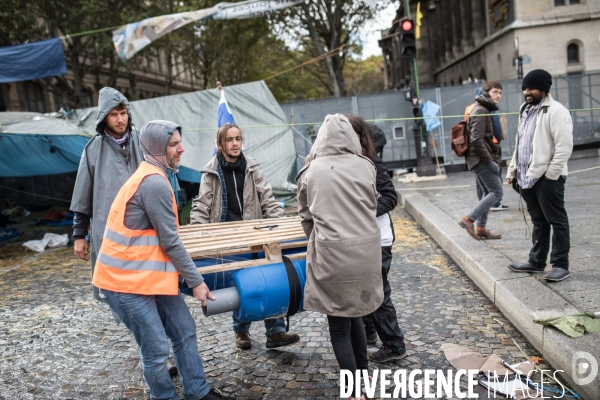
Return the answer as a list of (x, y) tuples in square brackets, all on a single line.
[(268, 138), (37, 144)]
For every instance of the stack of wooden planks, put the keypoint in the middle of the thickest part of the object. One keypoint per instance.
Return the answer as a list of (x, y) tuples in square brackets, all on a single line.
[(241, 237)]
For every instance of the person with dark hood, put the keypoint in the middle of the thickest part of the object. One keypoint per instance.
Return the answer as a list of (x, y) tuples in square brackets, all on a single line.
[(108, 160), (483, 158), (139, 264), (538, 169), (383, 322), (234, 188), (337, 201)]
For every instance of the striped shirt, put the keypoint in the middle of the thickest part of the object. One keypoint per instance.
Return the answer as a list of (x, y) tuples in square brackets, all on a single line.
[(526, 129)]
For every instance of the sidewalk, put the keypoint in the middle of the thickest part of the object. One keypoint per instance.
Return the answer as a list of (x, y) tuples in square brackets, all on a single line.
[(438, 205)]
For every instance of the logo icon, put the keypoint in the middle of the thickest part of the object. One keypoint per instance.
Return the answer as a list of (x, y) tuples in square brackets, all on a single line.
[(584, 367)]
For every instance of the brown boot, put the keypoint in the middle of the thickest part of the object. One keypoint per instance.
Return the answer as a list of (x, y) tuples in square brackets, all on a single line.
[(281, 339), (486, 234), (242, 340), (467, 224)]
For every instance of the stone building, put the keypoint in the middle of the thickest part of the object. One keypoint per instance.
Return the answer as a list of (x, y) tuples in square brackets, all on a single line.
[(145, 80), (467, 40)]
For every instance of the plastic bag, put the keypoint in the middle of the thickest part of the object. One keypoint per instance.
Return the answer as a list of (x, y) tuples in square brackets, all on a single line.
[(50, 240)]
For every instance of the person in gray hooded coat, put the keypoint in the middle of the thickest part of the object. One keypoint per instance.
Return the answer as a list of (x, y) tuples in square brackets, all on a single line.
[(108, 160), (337, 201)]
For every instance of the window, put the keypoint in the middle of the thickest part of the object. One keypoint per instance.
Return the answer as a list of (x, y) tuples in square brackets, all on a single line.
[(399, 132), (86, 98), (34, 97), (573, 53), (559, 2)]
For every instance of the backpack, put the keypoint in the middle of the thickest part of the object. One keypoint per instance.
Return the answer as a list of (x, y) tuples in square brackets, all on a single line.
[(460, 138)]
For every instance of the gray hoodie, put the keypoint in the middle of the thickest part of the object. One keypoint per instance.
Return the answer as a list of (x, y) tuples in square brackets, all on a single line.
[(104, 168), (151, 207)]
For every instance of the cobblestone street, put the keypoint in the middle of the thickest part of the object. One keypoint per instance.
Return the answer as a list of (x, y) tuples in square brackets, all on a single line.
[(56, 342)]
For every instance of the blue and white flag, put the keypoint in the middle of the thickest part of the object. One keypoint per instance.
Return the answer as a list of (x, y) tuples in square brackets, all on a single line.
[(224, 116)]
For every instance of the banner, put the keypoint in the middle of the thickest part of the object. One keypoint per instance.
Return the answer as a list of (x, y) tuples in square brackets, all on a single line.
[(131, 38), (24, 62)]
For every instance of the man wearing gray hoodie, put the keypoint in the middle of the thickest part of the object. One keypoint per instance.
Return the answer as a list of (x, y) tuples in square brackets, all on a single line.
[(139, 263), (108, 160)]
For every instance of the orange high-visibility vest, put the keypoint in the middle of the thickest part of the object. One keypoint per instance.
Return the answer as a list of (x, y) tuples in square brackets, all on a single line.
[(132, 261)]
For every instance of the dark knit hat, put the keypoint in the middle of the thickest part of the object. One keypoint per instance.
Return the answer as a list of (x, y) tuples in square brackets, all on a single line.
[(538, 79)]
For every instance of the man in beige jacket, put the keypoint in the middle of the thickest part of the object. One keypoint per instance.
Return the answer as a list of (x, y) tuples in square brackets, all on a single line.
[(539, 170), (233, 188)]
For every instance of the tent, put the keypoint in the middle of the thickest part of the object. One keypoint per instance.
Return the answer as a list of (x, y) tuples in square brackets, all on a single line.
[(38, 144), (268, 138)]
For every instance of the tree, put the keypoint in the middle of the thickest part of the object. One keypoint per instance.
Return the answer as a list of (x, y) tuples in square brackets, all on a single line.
[(327, 29)]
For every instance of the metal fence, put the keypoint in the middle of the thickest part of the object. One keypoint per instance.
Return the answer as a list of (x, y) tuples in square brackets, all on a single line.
[(392, 113)]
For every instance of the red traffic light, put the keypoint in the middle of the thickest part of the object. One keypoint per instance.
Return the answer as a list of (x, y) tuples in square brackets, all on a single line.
[(406, 25)]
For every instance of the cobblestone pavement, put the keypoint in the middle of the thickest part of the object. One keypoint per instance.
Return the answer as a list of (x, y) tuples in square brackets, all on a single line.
[(56, 342)]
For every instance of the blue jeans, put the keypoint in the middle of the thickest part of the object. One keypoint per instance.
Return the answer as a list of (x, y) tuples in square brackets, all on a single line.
[(273, 326), (491, 184), (153, 319)]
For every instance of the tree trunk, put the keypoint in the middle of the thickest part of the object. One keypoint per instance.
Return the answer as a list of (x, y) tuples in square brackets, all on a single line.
[(169, 76), (77, 72), (314, 35)]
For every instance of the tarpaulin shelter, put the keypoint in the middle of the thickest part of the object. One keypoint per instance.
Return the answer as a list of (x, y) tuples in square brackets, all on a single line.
[(268, 138), (36, 144)]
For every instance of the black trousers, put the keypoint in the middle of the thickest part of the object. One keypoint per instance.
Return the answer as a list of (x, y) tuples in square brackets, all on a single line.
[(384, 320), (349, 342), (546, 207)]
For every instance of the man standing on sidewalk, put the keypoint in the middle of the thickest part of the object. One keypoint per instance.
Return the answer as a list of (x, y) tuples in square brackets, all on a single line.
[(539, 166), (483, 158), (234, 188)]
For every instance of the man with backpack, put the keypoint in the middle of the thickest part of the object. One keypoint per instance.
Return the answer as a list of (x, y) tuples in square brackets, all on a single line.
[(483, 158)]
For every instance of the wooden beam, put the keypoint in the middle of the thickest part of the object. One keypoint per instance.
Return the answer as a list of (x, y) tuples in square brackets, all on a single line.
[(245, 264), (273, 251)]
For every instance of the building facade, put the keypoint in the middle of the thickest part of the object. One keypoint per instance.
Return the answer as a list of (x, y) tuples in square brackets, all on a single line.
[(465, 41)]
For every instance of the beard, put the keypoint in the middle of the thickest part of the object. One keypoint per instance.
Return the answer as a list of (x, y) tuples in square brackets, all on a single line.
[(535, 99)]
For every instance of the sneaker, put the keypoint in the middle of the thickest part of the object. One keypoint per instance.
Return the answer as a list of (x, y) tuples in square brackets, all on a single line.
[(281, 339), (525, 267), (242, 340), (501, 207), (385, 354), (214, 395), (372, 339)]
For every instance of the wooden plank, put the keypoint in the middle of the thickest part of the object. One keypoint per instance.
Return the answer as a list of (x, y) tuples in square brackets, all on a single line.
[(268, 236), (245, 264), (238, 224), (215, 247), (243, 250)]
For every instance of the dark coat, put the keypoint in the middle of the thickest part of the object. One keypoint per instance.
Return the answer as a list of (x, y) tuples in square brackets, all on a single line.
[(482, 147)]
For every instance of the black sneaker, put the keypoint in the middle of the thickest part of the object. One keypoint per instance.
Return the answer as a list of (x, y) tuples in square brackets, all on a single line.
[(501, 207), (385, 354), (281, 339), (525, 267), (557, 275), (214, 395), (171, 367)]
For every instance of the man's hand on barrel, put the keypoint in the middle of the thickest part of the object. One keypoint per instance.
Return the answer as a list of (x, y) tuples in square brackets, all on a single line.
[(201, 293)]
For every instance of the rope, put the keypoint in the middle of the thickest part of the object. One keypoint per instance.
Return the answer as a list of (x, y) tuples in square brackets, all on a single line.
[(461, 116), (33, 194), (67, 36)]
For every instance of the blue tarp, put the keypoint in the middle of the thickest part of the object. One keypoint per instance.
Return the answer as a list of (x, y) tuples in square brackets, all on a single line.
[(24, 62), (30, 155)]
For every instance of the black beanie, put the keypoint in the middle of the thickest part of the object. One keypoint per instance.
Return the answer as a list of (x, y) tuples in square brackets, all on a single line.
[(538, 79)]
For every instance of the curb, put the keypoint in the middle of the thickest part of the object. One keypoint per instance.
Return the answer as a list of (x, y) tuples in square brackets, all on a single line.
[(520, 297)]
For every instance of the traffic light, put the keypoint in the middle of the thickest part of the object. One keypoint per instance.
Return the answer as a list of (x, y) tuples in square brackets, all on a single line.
[(408, 43)]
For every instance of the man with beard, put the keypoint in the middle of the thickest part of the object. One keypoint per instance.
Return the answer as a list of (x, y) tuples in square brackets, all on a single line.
[(139, 264), (108, 160), (538, 169), (233, 188)]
